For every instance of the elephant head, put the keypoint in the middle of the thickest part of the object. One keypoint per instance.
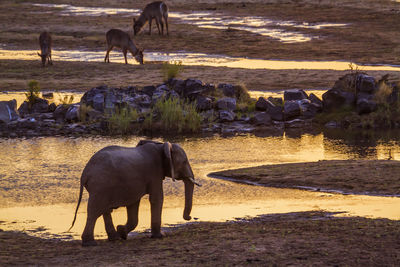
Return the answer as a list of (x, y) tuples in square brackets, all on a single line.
[(178, 168)]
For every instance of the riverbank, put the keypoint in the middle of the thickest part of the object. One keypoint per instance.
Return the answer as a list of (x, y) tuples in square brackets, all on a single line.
[(371, 177), (311, 238)]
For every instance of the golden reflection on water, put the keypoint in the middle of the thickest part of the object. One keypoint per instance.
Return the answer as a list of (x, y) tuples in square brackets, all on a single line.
[(40, 181), (194, 59)]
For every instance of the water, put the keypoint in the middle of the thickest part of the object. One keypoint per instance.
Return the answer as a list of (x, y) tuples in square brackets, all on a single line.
[(254, 24), (195, 59), (40, 180)]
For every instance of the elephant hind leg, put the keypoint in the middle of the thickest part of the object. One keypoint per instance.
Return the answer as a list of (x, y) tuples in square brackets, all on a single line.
[(110, 229), (133, 213), (95, 209)]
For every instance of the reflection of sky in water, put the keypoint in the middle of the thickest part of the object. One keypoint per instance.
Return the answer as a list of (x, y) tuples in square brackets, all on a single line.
[(41, 180), (195, 59), (254, 24)]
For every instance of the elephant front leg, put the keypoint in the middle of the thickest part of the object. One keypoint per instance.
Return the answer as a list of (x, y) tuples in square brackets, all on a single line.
[(156, 203), (110, 229), (133, 213)]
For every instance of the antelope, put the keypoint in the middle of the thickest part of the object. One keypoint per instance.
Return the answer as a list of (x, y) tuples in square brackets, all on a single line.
[(121, 39), (155, 10), (45, 47)]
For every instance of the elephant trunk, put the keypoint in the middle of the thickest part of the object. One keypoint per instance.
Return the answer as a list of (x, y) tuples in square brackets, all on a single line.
[(188, 199)]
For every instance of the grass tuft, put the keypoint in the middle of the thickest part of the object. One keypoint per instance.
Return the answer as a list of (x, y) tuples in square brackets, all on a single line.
[(120, 121), (33, 93)]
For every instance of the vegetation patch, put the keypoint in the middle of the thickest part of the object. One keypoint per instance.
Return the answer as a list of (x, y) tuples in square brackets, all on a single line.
[(376, 177)]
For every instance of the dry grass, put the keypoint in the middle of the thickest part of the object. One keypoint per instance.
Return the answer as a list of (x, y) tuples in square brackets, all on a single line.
[(351, 176)]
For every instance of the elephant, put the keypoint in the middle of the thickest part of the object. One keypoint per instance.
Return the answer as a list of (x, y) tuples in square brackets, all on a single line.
[(119, 176)]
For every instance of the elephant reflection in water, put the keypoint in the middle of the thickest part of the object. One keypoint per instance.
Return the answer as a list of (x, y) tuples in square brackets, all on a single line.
[(120, 176)]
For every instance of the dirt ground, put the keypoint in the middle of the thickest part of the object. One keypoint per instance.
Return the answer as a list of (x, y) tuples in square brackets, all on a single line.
[(377, 177), (371, 36), (301, 239)]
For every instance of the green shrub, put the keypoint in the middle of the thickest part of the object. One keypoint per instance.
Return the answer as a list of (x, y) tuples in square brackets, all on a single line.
[(176, 115), (33, 93), (171, 70), (120, 121)]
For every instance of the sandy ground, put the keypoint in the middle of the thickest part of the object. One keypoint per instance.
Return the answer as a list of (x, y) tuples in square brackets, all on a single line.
[(378, 177), (301, 239)]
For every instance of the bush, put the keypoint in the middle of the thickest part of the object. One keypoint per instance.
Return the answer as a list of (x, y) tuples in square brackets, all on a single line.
[(171, 70), (176, 115), (120, 121), (33, 93), (242, 94), (383, 93)]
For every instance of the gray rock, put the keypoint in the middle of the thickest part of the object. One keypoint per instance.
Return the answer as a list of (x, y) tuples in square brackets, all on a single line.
[(148, 90), (365, 83), (227, 89), (365, 106), (291, 109), (296, 123), (8, 111), (263, 104), (334, 99), (27, 123), (277, 101), (226, 103), (98, 102), (226, 116), (332, 124), (161, 92), (276, 113), (72, 113), (59, 113), (203, 103), (261, 118), (315, 100), (295, 94)]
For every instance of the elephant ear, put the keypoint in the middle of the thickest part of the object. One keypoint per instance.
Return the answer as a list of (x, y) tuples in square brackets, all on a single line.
[(168, 155)]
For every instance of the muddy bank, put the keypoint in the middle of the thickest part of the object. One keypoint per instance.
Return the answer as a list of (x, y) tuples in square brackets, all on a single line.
[(372, 177), (311, 238)]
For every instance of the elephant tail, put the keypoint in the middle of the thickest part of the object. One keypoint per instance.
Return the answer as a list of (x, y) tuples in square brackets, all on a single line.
[(77, 207)]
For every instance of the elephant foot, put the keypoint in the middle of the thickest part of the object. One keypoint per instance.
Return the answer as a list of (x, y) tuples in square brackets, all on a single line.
[(157, 235), (114, 237), (122, 232), (88, 243)]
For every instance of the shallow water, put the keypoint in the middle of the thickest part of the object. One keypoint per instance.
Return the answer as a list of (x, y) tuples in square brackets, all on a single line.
[(195, 59), (40, 180), (254, 24)]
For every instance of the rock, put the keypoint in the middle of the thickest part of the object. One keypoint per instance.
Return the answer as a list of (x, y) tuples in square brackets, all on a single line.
[(72, 113), (27, 123), (52, 107), (334, 99), (315, 100), (203, 103), (40, 106), (110, 101), (161, 92), (365, 106), (227, 89), (226, 116), (226, 103), (148, 90), (291, 109), (332, 124), (8, 111), (276, 113), (177, 85), (59, 113), (49, 95), (98, 102), (277, 101), (296, 123), (261, 118), (263, 104), (295, 94), (365, 83), (142, 100), (93, 115)]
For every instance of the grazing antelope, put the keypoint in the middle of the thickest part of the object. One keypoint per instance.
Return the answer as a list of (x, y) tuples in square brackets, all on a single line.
[(155, 10), (45, 47), (122, 40)]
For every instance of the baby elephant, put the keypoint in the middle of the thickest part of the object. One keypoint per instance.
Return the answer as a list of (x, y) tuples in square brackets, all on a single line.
[(120, 176), (45, 47), (121, 39)]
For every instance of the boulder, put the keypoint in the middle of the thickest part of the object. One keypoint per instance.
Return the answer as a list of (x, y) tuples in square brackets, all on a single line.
[(315, 100), (160, 93), (277, 101), (291, 109), (59, 113), (261, 118), (177, 85), (148, 90), (227, 89), (295, 94), (203, 103), (334, 99), (276, 113), (226, 103), (365, 106), (72, 113), (365, 83), (263, 104), (226, 116), (98, 102), (8, 111)]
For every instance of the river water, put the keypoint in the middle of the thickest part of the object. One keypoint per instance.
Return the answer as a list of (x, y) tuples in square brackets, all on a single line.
[(40, 180)]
